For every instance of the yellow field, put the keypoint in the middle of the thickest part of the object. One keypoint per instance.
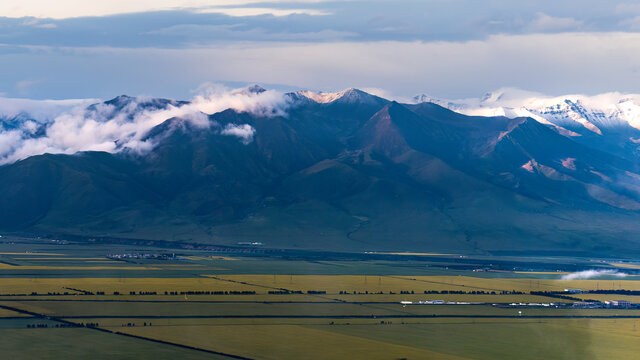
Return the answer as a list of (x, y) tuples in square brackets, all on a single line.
[(626, 266), (8, 313), (604, 297), (537, 272), (414, 339), (200, 258), (181, 265), (336, 283), (449, 297), (332, 284), (28, 307), (344, 326), (526, 285), (109, 285), (353, 317), (278, 342)]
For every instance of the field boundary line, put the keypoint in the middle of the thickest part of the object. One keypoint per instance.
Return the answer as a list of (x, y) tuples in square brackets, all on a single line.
[(62, 320)]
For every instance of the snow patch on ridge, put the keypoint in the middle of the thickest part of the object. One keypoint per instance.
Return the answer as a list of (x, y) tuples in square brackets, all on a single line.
[(322, 97), (533, 166), (569, 163), (593, 113), (347, 96), (529, 166)]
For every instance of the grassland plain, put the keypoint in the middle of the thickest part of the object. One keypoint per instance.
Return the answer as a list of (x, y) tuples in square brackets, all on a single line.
[(362, 283), (345, 309), (88, 309), (604, 297), (276, 342), (512, 338), (342, 287), (411, 339), (332, 311), (4, 313), (80, 343), (333, 284), (394, 298), (121, 284)]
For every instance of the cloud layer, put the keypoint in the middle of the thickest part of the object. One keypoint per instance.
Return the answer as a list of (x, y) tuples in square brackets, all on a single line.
[(590, 274), (450, 49), (63, 9), (37, 127), (547, 63)]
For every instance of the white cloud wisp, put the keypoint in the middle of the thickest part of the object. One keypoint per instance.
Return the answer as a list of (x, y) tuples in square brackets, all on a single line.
[(31, 128), (65, 9), (590, 274)]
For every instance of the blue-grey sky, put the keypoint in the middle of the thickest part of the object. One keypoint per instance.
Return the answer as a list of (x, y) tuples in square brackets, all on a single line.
[(446, 48)]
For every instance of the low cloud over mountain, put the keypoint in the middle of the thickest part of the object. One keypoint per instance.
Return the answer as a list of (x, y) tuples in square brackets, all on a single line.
[(66, 127)]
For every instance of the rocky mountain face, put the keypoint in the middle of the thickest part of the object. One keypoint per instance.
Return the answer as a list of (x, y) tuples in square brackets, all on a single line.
[(345, 171)]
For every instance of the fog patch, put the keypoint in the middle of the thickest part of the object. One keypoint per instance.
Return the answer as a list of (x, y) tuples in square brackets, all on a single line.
[(590, 274), (244, 132), (31, 127)]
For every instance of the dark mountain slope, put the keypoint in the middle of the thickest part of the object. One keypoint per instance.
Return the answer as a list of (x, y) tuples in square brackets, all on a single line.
[(356, 173), (62, 189)]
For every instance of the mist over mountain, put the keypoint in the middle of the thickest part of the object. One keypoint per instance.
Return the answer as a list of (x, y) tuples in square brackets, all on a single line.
[(342, 171)]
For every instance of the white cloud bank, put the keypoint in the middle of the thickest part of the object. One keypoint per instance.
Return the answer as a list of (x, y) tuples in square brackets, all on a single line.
[(63, 9), (546, 23), (41, 109), (50, 128), (590, 274), (244, 132), (557, 64), (257, 11)]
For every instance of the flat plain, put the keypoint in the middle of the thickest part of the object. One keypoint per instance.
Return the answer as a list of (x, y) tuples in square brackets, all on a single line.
[(75, 300)]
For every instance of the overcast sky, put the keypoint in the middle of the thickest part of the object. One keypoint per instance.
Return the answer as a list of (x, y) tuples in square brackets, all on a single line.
[(444, 48)]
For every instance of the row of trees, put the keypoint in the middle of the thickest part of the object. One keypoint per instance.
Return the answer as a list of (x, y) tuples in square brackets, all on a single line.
[(476, 292), (63, 325), (133, 324), (189, 292), (410, 292), (342, 292), (291, 292), (193, 292), (554, 294)]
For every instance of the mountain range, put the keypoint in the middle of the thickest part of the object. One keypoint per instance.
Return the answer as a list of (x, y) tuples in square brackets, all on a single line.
[(346, 171)]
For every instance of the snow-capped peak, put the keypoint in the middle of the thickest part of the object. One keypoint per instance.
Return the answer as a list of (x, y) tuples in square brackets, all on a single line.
[(570, 114), (347, 96), (323, 97), (608, 122)]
